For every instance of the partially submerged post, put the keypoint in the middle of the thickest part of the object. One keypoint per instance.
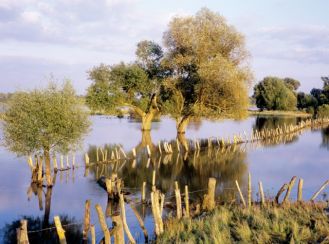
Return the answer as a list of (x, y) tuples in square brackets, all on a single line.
[(321, 189), (240, 193), (187, 204), (261, 193), (143, 192), (124, 220), (249, 190), (86, 222), (22, 237), (118, 229), (103, 224), (60, 230), (290, 185)]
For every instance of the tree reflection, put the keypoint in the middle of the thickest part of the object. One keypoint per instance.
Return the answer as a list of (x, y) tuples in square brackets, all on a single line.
[(271, 122), (325, 138)]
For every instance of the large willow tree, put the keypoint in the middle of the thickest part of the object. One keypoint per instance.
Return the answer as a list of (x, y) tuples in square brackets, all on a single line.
[(45, 121), (209, 73)]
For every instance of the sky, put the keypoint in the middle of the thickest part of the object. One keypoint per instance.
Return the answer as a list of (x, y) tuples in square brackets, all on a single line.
[(40, 39)]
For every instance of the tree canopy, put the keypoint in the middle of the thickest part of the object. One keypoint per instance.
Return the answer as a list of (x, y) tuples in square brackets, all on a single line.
[(272, 93), (209, 73), (44, 121)]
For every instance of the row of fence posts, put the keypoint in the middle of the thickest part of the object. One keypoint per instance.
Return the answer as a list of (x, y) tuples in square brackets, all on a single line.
[(286, 187)]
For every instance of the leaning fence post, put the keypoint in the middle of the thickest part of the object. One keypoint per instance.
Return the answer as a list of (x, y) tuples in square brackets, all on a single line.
[(86, 222), (178, 201), (321, 189), (22, 237), (103, 224), (60, 230), (240, 193), (300, 190), (291, 184), (143, 192), (123, 217), (282, 189)]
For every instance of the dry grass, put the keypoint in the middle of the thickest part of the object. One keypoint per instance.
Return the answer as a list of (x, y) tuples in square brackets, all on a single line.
[(280, 113), (302, 223)]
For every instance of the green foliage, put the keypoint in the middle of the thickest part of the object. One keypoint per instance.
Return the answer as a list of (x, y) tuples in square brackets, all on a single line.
[(209, 75), (273, 94), (306, 100), (323, 111), (291, 83), (50, 119)]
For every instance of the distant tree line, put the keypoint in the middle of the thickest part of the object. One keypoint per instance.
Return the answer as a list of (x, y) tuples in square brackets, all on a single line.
[(273, 93)]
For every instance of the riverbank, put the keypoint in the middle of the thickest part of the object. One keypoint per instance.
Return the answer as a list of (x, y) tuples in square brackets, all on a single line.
[(294, 223), (279, 113)]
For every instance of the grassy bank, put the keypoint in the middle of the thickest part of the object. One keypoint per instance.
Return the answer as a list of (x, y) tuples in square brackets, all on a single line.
[(279, 113), (302, 223)]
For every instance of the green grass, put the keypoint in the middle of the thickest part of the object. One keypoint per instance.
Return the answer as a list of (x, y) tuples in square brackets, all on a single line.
[(280, 113), (302, 223)]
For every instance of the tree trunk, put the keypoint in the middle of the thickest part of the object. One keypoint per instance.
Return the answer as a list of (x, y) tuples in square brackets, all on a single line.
[(48, 168), (182, 140), (149, 115), (181, 124), (47, 207)]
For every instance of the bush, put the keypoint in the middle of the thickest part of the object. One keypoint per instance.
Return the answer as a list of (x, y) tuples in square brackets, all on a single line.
[(323, 111)]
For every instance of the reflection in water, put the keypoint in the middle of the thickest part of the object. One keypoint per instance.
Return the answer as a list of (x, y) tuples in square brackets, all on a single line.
[(72, 232), (226, 164), (271, 122), (325, 138)]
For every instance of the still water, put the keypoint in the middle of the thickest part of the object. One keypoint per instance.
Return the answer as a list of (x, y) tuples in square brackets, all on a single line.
[(274, 163)]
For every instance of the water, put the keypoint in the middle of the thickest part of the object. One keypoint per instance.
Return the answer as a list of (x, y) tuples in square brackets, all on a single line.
[(274, 163)]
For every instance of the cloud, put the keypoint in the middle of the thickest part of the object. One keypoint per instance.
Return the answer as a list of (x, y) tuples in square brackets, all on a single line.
[(306, 44)]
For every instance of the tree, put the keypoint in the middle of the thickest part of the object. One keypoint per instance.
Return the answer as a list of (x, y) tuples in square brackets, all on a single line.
[(208, 73), (323, 111), (124, 85), (305, 100), (272, 94), (45, 121), (292, 84)]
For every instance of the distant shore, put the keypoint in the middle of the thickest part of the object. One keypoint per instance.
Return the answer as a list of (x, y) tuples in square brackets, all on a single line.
[(279, 113)]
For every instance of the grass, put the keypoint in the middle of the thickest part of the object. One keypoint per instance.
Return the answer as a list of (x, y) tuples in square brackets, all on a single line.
[(280, 113), (302, 223)]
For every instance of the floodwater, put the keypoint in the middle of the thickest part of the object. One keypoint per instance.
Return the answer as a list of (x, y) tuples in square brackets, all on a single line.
[(304, 155)]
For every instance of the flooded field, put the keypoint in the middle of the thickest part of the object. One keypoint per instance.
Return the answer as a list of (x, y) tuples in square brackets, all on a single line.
[(304, 155)]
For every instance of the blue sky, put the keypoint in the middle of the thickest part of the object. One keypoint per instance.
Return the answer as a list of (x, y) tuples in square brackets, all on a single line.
[(65, 38)]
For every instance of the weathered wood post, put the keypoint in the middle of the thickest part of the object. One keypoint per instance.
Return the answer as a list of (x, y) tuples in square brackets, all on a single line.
[(156, 212), (153, 179), (55, 163), (86, 222), (249, 190), (134, 152), (300, 190), (86, 160), (22, 237), (187, 204), (240, 193), (108, 183), (124, 221), (178, 201), (103, 224), (290, 185), (282, 189), (118, 233), (209, 199), (321, 189), (93, 234), (60, 230), (261, 193)]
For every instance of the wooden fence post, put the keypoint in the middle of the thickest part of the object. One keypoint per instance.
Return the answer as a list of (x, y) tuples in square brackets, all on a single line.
[(119, 237), (178, 201), (187, 204), (60, 230), (123, 217), (93, 235), (240, 193), (143, 192), (209, 199), (103, 224), (321, 189), (249, 191), (22, 237), (86, 160), (86, 222), (261, 193), (300, 190), (282, 189), (290, 185)]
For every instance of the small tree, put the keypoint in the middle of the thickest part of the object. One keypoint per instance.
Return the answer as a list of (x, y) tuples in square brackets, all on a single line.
[(208, 73), (323, 111), (273, 94), (44, 122)]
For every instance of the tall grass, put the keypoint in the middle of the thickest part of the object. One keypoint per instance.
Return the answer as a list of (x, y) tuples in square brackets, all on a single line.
[(292, 223)]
